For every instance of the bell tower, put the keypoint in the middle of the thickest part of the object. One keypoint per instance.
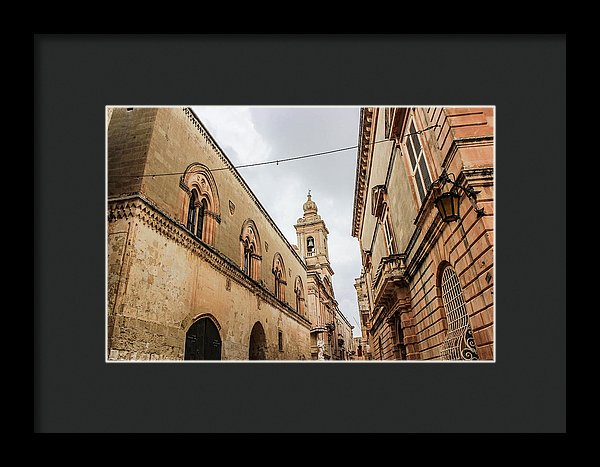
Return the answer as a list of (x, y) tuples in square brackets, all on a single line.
[(312, 239)]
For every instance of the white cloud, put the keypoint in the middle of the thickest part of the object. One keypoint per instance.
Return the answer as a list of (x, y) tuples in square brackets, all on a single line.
[(232, 127)]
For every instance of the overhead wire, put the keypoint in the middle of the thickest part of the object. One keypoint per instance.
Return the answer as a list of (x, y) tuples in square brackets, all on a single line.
[(276, 161)]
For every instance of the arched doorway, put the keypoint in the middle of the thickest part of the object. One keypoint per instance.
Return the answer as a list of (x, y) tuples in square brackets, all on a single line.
[(258, 343), (202, 341)]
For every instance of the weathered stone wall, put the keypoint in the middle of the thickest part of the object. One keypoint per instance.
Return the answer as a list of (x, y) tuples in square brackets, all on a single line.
[(168, 140), (160, 280), (128, 139)]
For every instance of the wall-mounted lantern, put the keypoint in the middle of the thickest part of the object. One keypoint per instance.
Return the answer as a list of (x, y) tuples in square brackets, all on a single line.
[(448, 202)]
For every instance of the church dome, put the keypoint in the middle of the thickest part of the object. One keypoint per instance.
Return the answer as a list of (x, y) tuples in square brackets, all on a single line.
[(310, 206)]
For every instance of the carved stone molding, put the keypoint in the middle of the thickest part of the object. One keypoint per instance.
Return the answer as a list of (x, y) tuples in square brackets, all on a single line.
[(143, 211)]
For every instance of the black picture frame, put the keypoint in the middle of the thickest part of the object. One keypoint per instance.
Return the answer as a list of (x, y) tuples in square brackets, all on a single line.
[(76, 76)]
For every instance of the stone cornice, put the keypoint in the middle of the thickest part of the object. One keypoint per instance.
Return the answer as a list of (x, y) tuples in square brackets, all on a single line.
[(365, 136), (138, 207), (217, 149), (339, 312), (464, 142)]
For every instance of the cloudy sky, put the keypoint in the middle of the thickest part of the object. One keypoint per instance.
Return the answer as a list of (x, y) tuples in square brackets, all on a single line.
[(258, 134)]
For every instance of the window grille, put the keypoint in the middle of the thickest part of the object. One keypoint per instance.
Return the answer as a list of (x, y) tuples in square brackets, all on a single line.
[(459, 343)]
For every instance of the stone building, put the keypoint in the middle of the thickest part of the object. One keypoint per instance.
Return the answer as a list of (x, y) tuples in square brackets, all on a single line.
[(330, 333), (196, 268), (427, 283)]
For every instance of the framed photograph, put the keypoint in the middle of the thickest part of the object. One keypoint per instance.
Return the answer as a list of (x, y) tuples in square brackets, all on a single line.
[(225, 255)]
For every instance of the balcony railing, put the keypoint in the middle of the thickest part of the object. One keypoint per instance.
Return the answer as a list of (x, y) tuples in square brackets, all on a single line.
[(389, 275)]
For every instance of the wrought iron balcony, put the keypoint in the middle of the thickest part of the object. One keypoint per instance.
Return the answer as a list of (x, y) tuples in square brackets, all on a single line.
[(388, 277)]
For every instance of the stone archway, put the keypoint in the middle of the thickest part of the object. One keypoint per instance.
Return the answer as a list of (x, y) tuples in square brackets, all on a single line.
[(258, 343)]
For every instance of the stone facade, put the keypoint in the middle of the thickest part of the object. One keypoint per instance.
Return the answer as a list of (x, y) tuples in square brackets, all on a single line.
[(426, 287), (195, 265)]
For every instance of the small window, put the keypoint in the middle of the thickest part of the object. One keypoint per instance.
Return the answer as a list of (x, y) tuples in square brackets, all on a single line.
[(280, 340)]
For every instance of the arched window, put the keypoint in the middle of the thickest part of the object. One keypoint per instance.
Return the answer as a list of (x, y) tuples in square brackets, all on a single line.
[(299, 292), (250, 251), (201, 201), (279, 275), (197, 209), (310, 246), (459, 343)]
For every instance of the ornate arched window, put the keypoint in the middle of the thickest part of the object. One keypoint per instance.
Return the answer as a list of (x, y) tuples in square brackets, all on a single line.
[(197, 208), (299, 292), (200, 199), (459, 343), (279, 275), (250, 250)]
